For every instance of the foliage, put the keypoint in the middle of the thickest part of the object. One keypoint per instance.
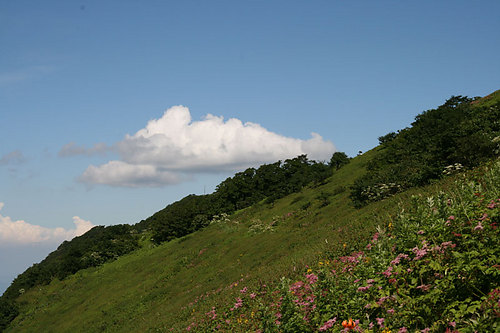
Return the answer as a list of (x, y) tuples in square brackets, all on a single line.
[(338, 160), (458, 132), (435, 267), (8, 311), (269, 181), (97, 246), (145, 290)]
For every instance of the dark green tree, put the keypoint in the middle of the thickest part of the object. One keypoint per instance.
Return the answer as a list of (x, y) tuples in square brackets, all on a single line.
[(338, 160)]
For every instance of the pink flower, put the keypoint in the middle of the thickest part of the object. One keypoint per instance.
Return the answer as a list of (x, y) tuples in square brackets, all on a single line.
[(363, 289), (238, 304), (451, 217), (484, 217), (424, 287), (397, 260), (403, 330), (419, 253), (244, 290), (382, 300), (425, 330), (420, 232), (380, 321), (390, 311), (388, 272), (252, 295), (311, 278), (328, 324), (491, 205), (369, 246), (479, 226)]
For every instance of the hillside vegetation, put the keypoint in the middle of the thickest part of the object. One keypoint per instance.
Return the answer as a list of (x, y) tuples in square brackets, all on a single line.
[(299, 246)]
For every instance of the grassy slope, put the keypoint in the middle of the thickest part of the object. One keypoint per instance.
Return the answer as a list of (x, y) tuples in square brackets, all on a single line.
[(149, 289)]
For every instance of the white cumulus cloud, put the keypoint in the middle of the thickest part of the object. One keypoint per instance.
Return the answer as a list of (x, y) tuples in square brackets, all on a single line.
[(118, 173), (21, 232), (174, 145)]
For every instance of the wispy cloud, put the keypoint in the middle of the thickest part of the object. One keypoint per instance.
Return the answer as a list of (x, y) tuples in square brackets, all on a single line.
[(13, 158), (20, 75), (72, 149), (21, 232), (171, 147)]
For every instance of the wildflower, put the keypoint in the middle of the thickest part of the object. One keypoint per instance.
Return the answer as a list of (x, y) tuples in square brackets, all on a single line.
[(425, 330), (420, 232), (349, 324), (369, 246), (484, 217), (238, 304), (403, 330), (252, 295), (380, 321), (390, 311), (328, 324), (479, 226), (311, 278), (491, 205), (419, 253), (424, 287), (363, 289), (244, 290), (212, 313), (388, 271), (397, 260), (382, 300)]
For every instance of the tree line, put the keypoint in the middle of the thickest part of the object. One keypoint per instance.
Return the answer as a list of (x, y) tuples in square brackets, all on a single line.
[(102, 244), (461, 133)]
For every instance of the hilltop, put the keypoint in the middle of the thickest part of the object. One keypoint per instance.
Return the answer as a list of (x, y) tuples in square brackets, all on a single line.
[(247, 256)]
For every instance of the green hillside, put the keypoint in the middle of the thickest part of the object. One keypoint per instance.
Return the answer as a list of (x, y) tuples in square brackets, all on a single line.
[(274, 264)]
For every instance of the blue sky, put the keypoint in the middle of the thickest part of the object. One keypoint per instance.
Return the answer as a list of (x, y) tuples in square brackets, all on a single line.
[(84, 86)]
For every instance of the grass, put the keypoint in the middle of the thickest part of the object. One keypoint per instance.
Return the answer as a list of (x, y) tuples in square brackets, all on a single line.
[(157, 289)]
